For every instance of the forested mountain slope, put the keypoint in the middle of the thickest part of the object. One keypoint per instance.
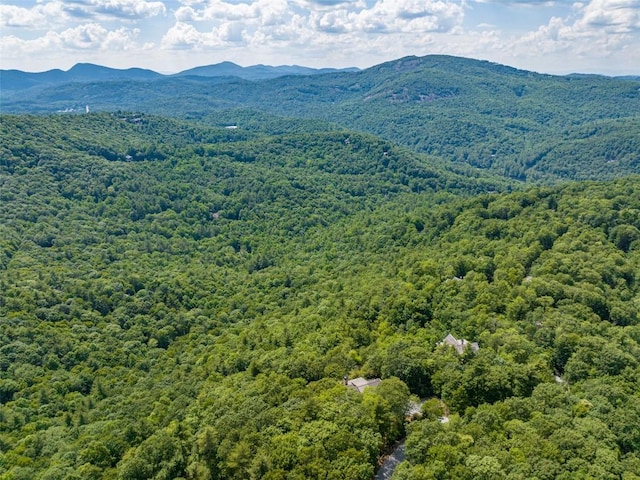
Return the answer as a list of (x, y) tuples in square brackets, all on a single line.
[(519, 124), (183, 301), (125, 237)]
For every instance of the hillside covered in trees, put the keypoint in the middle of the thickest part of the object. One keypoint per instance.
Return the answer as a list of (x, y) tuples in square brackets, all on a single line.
[(183, 301), (522, 125)]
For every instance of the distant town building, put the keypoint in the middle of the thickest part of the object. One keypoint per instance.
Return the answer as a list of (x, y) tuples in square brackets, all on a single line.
[(459, 344)]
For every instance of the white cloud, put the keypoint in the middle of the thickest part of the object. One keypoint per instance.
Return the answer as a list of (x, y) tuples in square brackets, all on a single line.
[(128, 8), (184, 35), (85, 36), (598, 28), (186, 14), (264, 20), (387, 16), (599, 36), (121, 39), (276, 12), (328, 3), (41, 15), (336, 21), (525, 3), (614, 16), (52, 13), (219, 10), (91, 36)]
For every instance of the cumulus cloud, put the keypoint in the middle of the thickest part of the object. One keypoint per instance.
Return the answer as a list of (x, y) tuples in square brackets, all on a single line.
[(222, 22), (128, 8), (219, 10), (91, 36), (595, 28), (328, 3), (262, 20), (267, 11), (39, 16), (84, 37), (527, 3), (49, 14), (552, 37), (598, 36), (183, 36), (614, 16)]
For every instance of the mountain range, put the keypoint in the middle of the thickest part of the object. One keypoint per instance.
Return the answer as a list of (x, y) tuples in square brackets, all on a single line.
[(88, 72), (519, 124)]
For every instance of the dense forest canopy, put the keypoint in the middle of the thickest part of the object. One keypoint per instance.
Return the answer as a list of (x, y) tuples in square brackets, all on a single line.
[(179, 299)]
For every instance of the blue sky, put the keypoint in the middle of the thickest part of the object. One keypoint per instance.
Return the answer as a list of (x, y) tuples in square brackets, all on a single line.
[(589, 36)]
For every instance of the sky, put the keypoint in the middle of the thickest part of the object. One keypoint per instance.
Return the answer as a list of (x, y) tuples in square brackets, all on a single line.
[(168, 36)]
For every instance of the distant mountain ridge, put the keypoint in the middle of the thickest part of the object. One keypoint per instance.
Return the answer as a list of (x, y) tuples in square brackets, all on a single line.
[(81, 72), (519, 124), (256, 72), (88, 72)]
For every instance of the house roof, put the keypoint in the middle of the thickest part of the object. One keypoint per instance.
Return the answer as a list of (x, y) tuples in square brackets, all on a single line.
[(360, 383), (459, 344)]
